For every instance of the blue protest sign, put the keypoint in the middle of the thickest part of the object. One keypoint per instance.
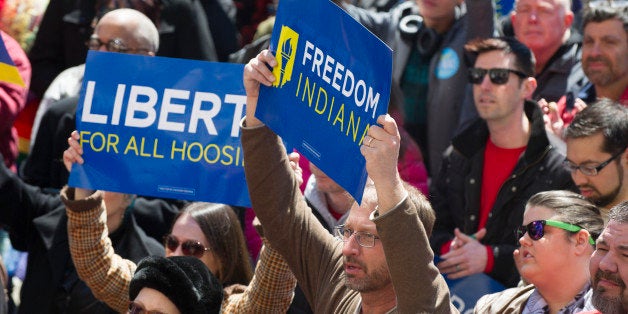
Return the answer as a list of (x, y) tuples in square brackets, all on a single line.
[(162, 127), (332, 82), (466, 291)]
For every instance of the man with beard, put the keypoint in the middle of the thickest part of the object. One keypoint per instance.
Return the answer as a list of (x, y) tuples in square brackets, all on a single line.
[(609, 267), (605, 53), (597, 153), (383, 263), (604, 61)]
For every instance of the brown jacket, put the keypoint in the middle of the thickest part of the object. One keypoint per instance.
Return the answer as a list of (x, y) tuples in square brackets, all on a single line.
[(315, 256)]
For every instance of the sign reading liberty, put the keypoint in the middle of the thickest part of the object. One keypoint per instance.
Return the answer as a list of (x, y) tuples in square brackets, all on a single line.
[(332, 81), (140, 115)]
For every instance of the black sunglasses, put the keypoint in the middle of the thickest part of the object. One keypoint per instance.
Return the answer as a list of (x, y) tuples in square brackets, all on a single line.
[(189, 247), (498, 76), (536, 229)]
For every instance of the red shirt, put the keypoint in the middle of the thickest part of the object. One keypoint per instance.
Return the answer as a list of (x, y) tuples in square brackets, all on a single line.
[(498, 165), (623, 99)]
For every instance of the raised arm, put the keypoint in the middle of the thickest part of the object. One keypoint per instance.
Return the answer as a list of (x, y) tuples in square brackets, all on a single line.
[(381, 151), (271, 289), (277, 201), (402, 220), (107, 274)]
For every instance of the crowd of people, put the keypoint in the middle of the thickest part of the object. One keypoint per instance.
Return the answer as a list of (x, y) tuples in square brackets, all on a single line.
[(504, 154)]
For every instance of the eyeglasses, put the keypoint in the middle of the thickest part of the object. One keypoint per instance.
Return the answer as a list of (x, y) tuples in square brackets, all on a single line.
[(113, 45), (536, 229), (189, 247), (498, 76), (136, 308), (364, 239), (588, 169)]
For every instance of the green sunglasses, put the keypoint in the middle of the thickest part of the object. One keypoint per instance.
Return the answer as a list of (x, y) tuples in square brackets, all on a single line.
[(536, 229)]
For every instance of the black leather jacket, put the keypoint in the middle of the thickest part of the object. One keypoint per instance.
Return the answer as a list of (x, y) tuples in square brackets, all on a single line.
[(456, 191)]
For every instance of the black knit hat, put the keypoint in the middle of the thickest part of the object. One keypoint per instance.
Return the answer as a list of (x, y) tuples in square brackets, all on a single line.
[(185, 280)]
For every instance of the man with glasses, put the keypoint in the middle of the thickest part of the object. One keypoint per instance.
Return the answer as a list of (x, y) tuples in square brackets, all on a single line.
[(383, 263), (122, 30), (127, 31), (597, 153), (493, 166)]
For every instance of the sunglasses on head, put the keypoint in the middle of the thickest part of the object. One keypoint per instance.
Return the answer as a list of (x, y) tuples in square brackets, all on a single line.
[(498, 76), (536, 229), (189, 247), (136, 308)]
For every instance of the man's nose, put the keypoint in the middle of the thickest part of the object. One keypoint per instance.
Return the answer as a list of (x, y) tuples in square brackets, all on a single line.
[(351, 246), (608, 263), (578, 177)]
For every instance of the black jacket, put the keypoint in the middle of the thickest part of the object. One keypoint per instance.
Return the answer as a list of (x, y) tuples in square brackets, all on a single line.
[(457, 190), (37, 224), (44, 168)]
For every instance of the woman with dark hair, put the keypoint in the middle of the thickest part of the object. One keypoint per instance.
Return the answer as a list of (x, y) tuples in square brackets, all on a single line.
[(228, 259), (209, 232), (557, 238)]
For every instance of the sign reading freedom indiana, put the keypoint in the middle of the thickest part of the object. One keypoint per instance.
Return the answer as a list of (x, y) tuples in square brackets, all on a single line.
[(331, 83), (162, 127)]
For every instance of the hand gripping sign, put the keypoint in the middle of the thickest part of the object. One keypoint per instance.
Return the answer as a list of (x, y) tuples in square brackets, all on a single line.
[(332, 82)]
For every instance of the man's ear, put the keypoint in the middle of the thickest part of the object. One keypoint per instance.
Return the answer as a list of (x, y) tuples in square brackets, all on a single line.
[(623, 159), (568, 19), (529, 84)]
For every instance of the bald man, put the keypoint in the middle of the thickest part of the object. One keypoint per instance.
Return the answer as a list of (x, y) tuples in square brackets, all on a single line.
[(122, 30)]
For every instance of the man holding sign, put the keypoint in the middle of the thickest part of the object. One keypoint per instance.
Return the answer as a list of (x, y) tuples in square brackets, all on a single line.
[(380, 271)]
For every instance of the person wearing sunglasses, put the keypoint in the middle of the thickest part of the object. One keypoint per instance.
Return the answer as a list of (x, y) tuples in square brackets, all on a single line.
[(429, 67), (206, 231), (493, 166), (174, 285), (597, 153), (556, 240)]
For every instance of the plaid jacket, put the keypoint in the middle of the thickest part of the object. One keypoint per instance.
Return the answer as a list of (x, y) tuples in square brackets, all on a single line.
[(108, 275)]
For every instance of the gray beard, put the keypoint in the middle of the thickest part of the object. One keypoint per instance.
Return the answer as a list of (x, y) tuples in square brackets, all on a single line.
[(607, 306)]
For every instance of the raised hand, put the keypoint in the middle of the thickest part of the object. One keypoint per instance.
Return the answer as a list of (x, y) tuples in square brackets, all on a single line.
[(74, 153), (257, 71), (380, 148)]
